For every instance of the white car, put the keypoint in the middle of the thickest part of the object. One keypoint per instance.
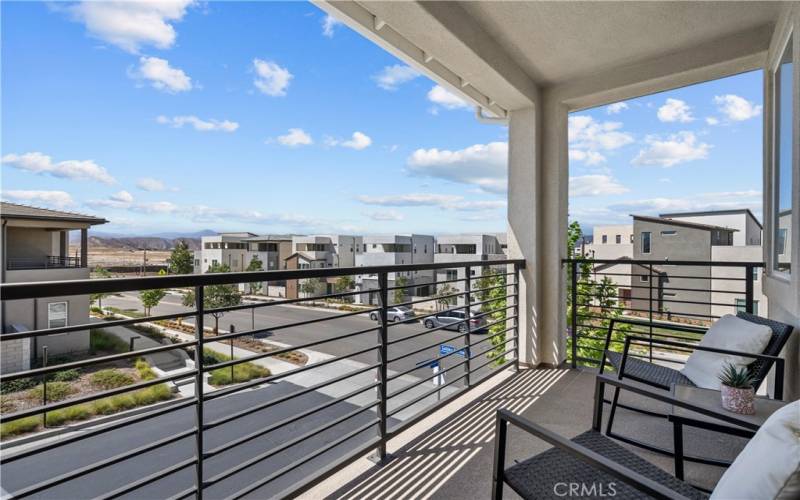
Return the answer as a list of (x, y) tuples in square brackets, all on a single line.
[(454, 320), (395, 313)]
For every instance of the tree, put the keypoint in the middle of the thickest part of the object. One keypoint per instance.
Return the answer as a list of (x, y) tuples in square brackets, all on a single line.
[(399, 294), (180, 260), (442, 299), (345, 284), (497, 300), (216, 296), (151, 298), (312, 286), (102, 273), (255, 265), (597, 303)]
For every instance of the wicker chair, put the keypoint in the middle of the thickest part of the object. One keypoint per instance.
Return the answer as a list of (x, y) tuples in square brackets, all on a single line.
[(663, 377)]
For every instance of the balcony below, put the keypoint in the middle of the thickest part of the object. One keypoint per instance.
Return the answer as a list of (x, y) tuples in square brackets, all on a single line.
[(43, 262)]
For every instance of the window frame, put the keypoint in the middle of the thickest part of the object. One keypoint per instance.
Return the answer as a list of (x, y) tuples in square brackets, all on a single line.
[(50, 319), (649, 242)]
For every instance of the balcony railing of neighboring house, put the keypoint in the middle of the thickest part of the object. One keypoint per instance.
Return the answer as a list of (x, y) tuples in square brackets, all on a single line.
[(310, 452), (46, 262), (637, 295)]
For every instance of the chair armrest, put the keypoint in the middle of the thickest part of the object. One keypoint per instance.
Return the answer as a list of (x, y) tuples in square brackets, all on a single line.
[(779, 362), (624, 474)]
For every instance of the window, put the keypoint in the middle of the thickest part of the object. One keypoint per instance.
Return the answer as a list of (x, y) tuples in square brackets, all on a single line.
[(605, 239), (782, 161), (741, 306), (631, 238), (755, 273), (57, 313), (671, 232), (645, 242), (196, 262), (643, 278), (450, 274), (618, 239)]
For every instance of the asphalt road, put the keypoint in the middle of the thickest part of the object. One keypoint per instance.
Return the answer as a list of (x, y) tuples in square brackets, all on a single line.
[(272, 316), (62, 460)]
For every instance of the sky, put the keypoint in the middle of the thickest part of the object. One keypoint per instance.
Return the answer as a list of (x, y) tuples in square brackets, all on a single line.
[(273, 117)]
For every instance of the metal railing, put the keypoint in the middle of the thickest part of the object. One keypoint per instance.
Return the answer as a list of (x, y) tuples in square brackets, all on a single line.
[(305, 450), (672, 300), (46, 262)]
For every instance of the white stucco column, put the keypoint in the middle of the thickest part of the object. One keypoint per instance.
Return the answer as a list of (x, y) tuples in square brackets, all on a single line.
[(537, 216)]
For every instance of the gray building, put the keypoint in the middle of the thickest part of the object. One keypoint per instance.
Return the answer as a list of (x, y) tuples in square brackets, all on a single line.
[(389, 250), (465, 248), (35, 247)]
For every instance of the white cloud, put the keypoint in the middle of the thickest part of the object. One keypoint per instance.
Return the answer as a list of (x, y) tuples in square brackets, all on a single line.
[(295, 137), (675, 110), (482, 165), (385, 216), (358, 141), (156, 207), (699, 202), (121, 199), (328, 25), (161, 75), (588, 137), (588, 157), (446, 99), (710, 120), (271, 79), (443, 201), (132, 24), (39, 163), (391, 77), (476, 205), (122, 196), (737, 108), (616, 108), (55, 199), (595, 185), (677, 148), (151, 184), (198, 124)]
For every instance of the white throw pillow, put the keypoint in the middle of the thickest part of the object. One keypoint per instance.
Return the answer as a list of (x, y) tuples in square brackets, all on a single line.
[(728, 332), (769, 466)]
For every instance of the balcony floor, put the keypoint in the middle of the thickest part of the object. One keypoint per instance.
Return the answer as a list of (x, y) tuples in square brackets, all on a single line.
[(449, 454)]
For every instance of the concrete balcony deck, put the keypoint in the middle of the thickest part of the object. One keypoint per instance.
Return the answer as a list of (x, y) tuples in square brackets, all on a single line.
[(449, 454)]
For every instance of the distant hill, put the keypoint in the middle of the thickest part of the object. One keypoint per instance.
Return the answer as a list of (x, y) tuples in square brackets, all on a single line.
[(140, 242)]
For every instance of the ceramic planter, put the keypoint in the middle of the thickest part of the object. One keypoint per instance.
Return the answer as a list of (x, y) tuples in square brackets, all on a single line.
[(738, 400)]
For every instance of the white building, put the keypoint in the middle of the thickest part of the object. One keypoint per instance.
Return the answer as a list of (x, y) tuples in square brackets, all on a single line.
[(332, 250), (465, 248), (390, 250), (748, 228), (224, 249)]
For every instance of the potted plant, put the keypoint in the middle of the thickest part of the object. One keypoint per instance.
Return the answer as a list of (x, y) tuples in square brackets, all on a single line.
[(737, 389)]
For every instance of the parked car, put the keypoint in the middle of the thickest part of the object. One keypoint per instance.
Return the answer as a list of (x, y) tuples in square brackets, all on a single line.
[(454, 320), (397, 313)]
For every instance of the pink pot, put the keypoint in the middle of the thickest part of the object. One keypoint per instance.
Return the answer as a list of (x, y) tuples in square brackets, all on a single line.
[(738, 400)]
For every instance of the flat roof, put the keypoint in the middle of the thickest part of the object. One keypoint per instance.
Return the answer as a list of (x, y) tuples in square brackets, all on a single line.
[(714, 212), (16, 211), (674, 222)]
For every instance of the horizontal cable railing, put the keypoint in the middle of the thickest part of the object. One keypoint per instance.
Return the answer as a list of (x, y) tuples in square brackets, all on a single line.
[(671, 299), (337, 385)]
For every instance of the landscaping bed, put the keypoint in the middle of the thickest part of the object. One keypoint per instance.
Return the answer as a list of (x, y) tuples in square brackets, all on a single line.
[(243, 372)]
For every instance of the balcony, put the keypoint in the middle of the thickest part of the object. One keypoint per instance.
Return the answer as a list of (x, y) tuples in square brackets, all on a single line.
[(46, 262)]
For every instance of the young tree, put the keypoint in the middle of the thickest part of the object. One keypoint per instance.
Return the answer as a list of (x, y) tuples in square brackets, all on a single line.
[(215, 296), (101, 273), (180, 261), (399, 294), (442, 299), (255, 265), (345, 284), (312, 286), (151, 298)]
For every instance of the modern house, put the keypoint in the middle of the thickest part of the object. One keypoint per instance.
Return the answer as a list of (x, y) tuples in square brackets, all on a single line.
[(229, 249), (35, 247), (465, 248), (610, 242), (390, 250), (748, 228), (270, 249)]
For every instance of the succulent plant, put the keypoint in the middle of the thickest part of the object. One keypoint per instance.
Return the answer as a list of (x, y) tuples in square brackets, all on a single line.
[(739, 378)]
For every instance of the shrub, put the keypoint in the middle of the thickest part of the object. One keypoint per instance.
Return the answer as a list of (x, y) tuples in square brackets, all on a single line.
[(122, 402), (69, 414), (56, 391), (111, 379), (241, 372), (21, 426), (20, 384), (101, 340), (145, 372), (65, 375), (150, 331), (102, 407), (150, 395)]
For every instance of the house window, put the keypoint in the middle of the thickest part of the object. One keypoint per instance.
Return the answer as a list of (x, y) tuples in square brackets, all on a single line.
[(741, 306), (618, 239), (645, 242), (755, 273), (57, 313), (782, 138), (671, 232), (605, 239), (450, 274), (196, 262), (631, 238), (643, 278)]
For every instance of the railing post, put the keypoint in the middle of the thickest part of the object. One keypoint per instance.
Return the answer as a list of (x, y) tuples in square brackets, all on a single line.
[(650, 308), (748, 288), (516, 316), (574, 313), (383, 359), (44, 386), (198, 387), (468, 318)]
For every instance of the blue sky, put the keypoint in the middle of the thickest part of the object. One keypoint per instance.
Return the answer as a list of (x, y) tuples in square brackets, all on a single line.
[(268, 117)]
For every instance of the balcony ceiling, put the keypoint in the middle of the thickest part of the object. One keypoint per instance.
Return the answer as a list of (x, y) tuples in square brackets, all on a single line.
[(504, 52)]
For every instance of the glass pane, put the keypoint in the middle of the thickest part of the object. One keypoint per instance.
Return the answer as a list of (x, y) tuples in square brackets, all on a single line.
[(782, 216)]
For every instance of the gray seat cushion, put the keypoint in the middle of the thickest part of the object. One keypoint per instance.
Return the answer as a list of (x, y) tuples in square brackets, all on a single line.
[(644, 371), (549, 474)]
